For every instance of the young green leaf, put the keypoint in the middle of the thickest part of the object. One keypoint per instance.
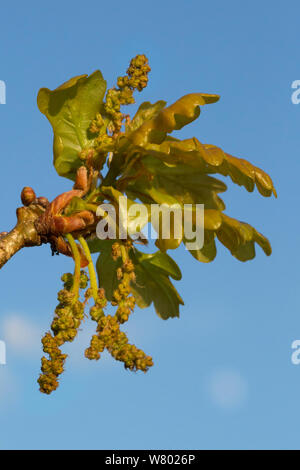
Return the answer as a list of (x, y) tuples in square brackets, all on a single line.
[(107, 267), (174, 117), (153, 284), (70, 109), (145, 112)]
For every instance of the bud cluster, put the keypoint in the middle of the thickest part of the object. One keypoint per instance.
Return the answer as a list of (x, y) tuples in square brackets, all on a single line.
[(28, 197)]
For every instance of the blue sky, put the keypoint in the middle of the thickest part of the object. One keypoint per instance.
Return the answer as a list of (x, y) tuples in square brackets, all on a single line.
[(223, 376)]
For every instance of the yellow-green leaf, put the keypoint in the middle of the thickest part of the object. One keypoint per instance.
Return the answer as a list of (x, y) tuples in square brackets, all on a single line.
[(70, 109), (240, 238), (210, 159), (106, 266), (208, 252), (145, 112), (174, 117), (153, 284)]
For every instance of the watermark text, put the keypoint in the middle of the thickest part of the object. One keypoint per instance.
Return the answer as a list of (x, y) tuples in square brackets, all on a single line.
[(2, 92), (296, 94), (168, 221), (2, 353)]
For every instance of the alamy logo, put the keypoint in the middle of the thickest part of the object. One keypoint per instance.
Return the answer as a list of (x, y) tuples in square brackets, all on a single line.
[(167, 222), (295, 357), (2, 92), (296, 94), (2, 353)]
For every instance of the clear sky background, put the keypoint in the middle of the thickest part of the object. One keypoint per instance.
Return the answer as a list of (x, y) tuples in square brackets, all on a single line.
[(223, 376)]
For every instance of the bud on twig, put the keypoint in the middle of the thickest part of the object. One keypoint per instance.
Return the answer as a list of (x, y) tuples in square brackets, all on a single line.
[(27, 196)]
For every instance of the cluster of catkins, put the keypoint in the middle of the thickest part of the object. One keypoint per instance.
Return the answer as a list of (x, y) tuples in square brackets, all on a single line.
[(109, 335), (69, 315), (136, 79)]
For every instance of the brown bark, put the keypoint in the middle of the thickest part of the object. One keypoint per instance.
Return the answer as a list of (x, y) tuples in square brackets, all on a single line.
[(24, 234)]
